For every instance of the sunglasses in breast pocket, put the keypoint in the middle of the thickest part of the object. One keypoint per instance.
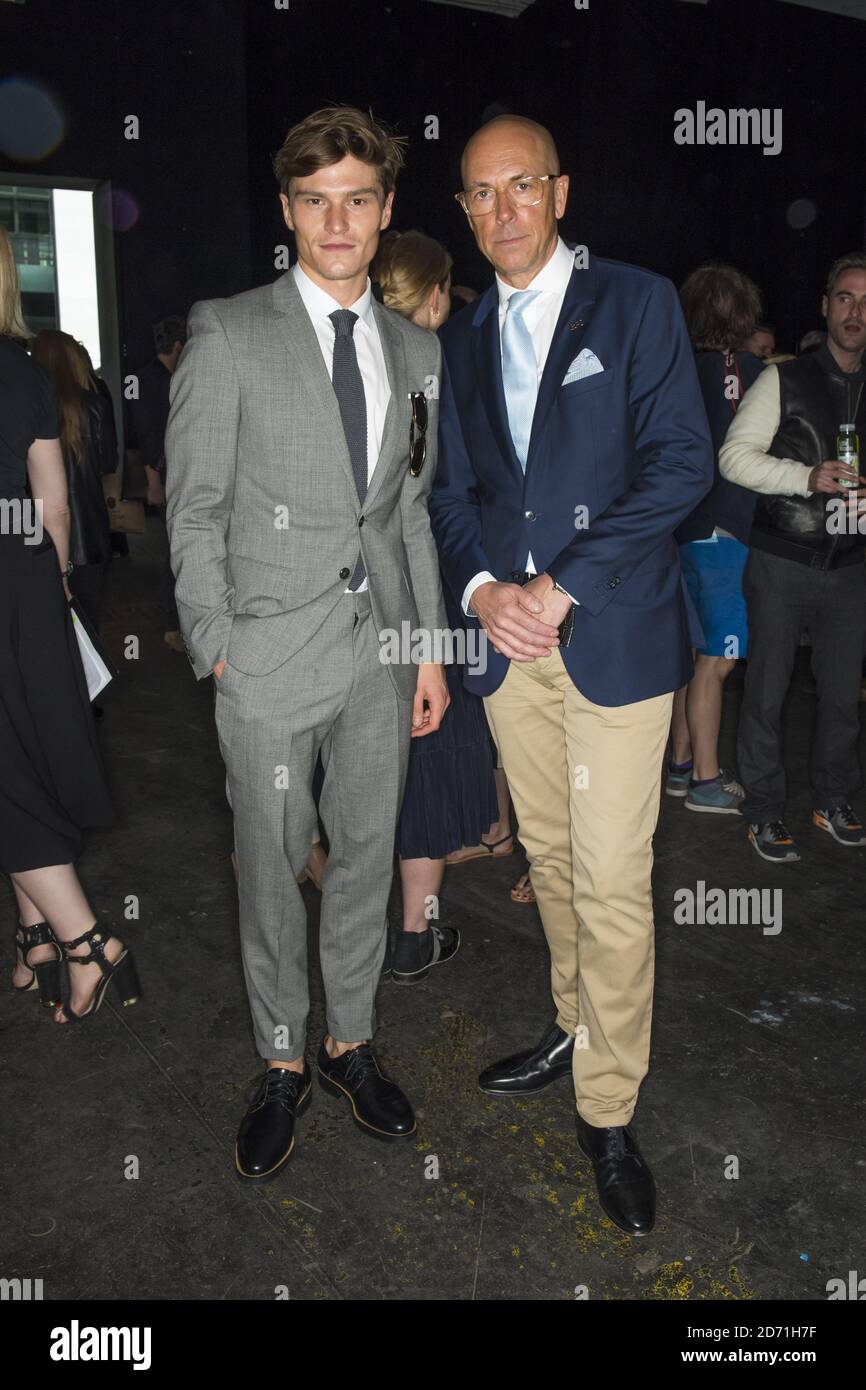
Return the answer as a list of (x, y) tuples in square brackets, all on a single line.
[(417, 433)]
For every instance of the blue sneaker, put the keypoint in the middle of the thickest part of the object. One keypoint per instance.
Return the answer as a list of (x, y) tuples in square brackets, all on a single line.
[(841, 822), (677, 778), (773, 841), (722, 795)]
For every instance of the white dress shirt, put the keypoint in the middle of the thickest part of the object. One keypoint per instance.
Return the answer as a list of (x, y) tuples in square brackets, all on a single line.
[(368, 350), (540, 317)]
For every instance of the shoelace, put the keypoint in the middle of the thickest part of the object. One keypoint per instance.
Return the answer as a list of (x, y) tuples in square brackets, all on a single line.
[(281, 1085), (776, 831), (616, 1151), (361, 1065), (731, 785), (845, 812), (616, 1144)]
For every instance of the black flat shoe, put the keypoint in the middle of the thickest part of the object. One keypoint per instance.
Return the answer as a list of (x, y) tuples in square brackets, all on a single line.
[(415, 953), (46, 975), (379, 1107), (266, 1138), (625, 1184), (526, 1072)]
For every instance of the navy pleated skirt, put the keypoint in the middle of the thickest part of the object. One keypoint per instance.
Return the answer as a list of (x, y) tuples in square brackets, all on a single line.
[(450, 797)]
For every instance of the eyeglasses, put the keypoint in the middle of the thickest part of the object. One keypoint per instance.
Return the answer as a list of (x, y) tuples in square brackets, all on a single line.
[(521, 193), (417, 433)]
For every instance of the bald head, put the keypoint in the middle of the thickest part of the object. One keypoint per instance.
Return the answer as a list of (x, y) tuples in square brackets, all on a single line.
[(508, 136), (507, 160)]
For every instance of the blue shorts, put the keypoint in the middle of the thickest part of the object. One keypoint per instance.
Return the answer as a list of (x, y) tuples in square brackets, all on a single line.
[(713, 571)]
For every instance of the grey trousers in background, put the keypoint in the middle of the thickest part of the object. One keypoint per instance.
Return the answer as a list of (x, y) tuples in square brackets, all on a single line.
[(784, 599), (337, 696)]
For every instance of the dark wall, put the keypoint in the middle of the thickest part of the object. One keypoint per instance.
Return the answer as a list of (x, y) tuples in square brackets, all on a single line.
[(216, 83), (607, 81), (180, 68)]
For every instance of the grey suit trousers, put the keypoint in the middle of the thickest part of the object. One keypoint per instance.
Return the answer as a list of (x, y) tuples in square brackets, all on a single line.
[(334, 695)]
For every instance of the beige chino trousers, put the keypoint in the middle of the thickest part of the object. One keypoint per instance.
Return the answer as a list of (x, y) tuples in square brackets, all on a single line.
[(586, 784)]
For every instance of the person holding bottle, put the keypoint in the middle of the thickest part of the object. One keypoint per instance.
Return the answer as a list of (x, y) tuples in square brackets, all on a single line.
[(805, 569)]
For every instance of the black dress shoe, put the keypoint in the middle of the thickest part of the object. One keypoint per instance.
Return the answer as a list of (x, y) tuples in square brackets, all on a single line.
[(416, 953), (526, 1072), (625, 1184), (266, 1137), (379, 1107)]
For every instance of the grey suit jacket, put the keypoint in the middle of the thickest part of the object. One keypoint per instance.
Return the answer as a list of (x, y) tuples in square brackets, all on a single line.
[(262, 511)]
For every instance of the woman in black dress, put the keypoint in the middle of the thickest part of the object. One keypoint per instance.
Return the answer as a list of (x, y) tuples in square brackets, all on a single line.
[(53, 782), (450, 800)]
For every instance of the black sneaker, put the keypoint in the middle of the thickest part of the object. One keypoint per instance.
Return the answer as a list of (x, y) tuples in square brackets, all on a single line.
[(773, 842), (415, 953), (841, 822)]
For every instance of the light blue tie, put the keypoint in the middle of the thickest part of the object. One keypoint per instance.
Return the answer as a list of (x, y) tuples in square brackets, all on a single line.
[(519, 372)]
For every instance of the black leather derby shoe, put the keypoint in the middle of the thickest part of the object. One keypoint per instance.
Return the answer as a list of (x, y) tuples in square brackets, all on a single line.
[(379, 1107), (266, 1138), (532, 1070), (625, 1184)]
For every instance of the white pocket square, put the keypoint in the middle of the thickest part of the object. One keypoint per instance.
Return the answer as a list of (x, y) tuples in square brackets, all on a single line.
[(585, 364)]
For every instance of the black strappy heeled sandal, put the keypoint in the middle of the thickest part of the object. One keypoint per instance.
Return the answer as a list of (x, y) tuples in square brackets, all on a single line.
[(121, 971), (47, 975)]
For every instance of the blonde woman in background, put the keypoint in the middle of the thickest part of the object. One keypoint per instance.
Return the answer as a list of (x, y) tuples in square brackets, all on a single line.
[(450, 801)]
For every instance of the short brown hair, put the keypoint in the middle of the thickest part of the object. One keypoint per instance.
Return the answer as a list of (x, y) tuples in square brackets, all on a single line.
[(855, 260), (331, 133), (408, 266), (721, 307)]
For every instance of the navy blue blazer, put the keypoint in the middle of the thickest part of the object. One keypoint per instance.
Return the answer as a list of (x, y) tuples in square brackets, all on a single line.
[(630, 445)]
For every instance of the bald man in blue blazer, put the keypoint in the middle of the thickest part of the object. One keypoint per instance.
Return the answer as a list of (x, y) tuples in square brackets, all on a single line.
[(573, 441)]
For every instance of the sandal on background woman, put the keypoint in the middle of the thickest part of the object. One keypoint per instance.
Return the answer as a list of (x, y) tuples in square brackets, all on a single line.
[(46, 974), (117, 969), (523, 891), (486, 850)]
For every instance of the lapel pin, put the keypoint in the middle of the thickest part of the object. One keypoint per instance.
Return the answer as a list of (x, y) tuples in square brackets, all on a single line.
[(578, 323)]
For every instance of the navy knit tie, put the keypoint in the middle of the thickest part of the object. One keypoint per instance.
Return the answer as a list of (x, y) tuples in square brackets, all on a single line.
[(349, 390)]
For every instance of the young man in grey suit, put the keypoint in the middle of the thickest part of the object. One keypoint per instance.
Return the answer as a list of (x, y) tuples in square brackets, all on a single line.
[(301, 447)]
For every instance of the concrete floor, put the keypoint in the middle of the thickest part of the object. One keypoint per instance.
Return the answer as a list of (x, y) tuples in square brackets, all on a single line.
[(757, 1054)]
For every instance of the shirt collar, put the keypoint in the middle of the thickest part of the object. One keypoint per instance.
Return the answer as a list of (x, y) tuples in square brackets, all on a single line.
[(319, 304), (552, 278)]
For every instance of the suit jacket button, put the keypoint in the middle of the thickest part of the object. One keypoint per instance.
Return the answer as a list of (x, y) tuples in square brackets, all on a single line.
[(530, 516), (515, 575), (344, 574), (613, 582), (360, 521)]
